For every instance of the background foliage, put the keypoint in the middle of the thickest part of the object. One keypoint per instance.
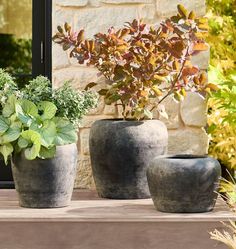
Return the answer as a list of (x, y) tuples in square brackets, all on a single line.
[(222, 105)]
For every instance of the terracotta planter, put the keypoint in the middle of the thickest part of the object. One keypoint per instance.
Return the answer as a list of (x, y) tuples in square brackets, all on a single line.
[(120, 154), (46, 183), (184, 183)]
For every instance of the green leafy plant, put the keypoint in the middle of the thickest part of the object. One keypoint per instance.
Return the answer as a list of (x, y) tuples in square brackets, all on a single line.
[(222, 117), (143, 64), (38, 119), (38, 89), (70, 104), (7, 87), (33, 128), (16, 56)]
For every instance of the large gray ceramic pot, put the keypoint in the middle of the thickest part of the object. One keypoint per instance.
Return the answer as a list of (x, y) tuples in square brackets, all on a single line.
[(184, 183), (120, 154), (46, 183)]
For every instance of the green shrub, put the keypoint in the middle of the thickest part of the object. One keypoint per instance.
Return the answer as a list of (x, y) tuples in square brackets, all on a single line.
[(71, 104), (222, 105)]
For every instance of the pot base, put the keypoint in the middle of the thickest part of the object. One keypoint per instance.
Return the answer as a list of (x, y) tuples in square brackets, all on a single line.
[(45, 201)]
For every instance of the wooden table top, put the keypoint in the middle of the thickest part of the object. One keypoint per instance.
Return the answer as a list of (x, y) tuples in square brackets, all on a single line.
[(87, 207)]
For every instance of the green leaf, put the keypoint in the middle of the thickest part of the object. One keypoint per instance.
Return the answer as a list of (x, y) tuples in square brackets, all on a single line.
[(4, 124), (34, 140), (26, 111), (66, 133), (25, 119), (6, 150), (47, 130), (22, 143), (29, 108), (9, 107), (48, 108), (47, 152), (12, 133)]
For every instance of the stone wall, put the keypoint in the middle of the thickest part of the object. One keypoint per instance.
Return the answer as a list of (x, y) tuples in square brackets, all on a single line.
[(186, 120)]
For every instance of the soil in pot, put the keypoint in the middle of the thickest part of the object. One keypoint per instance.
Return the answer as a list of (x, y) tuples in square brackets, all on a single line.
[(184, 183), (120, 154), (46, 183)]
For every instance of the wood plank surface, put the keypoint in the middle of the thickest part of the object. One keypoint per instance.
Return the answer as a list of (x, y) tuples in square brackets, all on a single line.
[(94, 223), (86, 206)]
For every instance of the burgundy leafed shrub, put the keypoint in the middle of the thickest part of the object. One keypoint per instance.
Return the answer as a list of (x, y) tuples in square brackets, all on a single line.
[(143, 64)]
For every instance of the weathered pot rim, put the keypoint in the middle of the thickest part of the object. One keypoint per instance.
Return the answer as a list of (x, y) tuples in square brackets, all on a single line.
[(58, 147), (182, 156), (126, 120)]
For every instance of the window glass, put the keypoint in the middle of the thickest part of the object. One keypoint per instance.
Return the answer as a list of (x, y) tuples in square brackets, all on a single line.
[(16, 37)]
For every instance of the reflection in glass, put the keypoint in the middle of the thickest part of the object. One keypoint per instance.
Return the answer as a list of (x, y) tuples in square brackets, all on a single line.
[(16, 37)]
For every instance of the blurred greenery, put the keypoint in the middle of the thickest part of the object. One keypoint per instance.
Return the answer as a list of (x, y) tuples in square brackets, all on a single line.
[(16, 56), (222, 104), (15, 38)]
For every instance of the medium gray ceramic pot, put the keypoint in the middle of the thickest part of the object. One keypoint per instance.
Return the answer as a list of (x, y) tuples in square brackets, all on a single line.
[(184, 183), (46, 183), (120, 154)]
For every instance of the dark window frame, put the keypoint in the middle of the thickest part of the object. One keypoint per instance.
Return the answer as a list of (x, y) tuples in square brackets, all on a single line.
[(41, 55), (42, 38)]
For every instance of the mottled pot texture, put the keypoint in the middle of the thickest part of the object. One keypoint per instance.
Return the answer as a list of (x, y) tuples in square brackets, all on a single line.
[(184, 183), (46, 183), (120, 154)]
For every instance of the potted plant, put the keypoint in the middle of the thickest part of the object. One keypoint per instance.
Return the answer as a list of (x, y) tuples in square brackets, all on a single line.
[(142, 65), (38, 130)]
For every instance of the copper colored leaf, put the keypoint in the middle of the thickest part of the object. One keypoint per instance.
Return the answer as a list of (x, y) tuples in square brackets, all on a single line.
[(86, 44), (192, 15), (182, 11), (91, 45), (143, 93), (183, 92), (124, 32), (80, 36), (159, 78), (196, 80), (103, 92), (90, 85), (67, 27), (203, 78), (176, 65), (189, 71), (157, 91), (66, 46), (200, 46), (212, 87), (60, 29)]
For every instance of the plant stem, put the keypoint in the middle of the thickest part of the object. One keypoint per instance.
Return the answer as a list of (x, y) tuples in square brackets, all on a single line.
[(174, 82)]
